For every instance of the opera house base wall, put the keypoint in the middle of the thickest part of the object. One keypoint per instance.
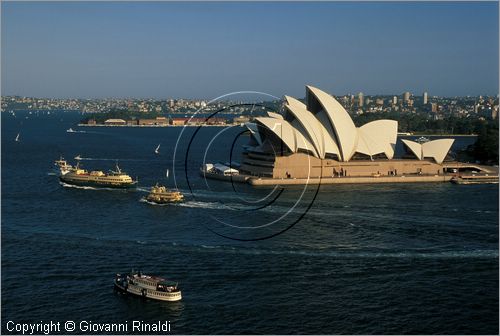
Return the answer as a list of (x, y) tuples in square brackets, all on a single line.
[(349, 180), (262, 170), (301, 168), (301, 165)]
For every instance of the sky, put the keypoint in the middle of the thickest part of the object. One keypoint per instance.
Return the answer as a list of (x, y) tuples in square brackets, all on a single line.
[(204, 50)]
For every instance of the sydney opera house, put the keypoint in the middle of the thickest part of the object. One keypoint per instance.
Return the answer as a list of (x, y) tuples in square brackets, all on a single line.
[(319, 139)]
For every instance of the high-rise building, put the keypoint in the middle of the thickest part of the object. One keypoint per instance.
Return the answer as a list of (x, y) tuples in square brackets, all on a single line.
[(395, 100), (406, 97), (360, 99), (425, 98)]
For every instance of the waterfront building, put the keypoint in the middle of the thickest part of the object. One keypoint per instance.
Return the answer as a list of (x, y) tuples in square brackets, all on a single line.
[(158, 121), (241, 119), (197, 121), (179, 121), (115, 122), (319, 139)]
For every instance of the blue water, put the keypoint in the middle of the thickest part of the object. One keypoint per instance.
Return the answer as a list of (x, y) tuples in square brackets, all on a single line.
[(356, 259)]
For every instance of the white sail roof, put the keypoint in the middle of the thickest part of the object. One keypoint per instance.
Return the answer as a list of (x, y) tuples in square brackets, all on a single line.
[(274, 115), (316, 132), (295, 102), (435, 149), (342, 123), (323, 126), (292, 138), (252, 127), (414, 147), (378, 137)]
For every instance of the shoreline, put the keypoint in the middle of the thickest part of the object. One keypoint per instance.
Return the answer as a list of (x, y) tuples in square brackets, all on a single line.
[(85, 125), (268, 181), (403, 135), (433, 135), (350, 180)]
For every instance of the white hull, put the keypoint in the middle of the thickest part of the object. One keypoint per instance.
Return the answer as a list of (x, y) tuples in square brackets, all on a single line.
[(150, 293)]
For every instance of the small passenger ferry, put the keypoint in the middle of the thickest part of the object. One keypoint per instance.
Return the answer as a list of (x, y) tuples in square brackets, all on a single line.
[(161, 195), (148, 286)]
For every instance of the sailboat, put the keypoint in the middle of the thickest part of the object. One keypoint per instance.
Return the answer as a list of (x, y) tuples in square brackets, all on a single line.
[(17, 137), (157, 150)]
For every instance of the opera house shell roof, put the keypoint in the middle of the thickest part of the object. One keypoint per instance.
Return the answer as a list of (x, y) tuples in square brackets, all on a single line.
[(324, 129)]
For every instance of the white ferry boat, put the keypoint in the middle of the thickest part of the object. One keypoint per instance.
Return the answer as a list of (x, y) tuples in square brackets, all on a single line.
[(148, 286), (422, 140)]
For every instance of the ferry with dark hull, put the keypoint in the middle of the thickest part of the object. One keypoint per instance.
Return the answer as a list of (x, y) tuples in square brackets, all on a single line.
[(96, 178), (148, 286)]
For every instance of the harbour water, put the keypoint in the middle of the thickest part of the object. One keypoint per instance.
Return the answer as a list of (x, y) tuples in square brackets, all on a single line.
[(369, 259)]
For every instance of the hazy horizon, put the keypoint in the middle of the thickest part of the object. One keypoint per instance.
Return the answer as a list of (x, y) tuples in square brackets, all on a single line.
[(89, 50)]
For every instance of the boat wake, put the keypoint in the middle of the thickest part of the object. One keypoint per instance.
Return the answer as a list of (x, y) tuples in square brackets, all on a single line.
[(203, 205), (66, 185), (339, 252), (106, 159), (144, 200), (189, 204)]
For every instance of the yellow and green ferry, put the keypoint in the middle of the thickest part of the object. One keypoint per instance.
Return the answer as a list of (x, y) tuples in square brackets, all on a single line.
[(81, 177)]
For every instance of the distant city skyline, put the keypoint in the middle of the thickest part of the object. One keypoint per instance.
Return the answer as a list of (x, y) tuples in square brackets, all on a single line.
[(204, 50)]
